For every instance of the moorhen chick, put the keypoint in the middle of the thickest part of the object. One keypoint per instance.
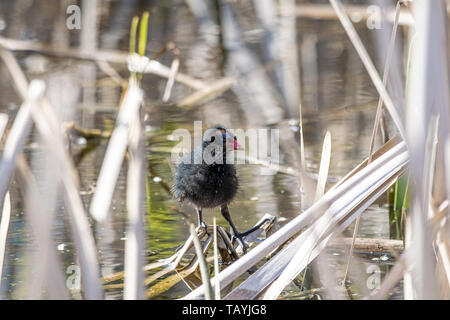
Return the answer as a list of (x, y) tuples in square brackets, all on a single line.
[(204, 178)]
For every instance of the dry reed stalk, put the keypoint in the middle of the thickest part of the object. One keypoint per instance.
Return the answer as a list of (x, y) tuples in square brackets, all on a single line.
[(135, 245), (112, 73), (324, 166), (396, 153), (48, 274), (216, 260), (6, 212), (441, 247), (156, 68), (111, 56), (380, 101), (50, 130), (184, 273), (385, 78), (3, 123), (207, 93), (4, 226), (171, 79), (302, 142), (115, 153), (88, 42), (322, 177), (288, 54), (330, 224), (12, 157), (203, 267), (17, 135), (370, 244), (427, 98), (257, 282)]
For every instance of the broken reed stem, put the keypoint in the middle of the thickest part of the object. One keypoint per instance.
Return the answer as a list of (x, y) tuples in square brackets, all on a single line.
[(3, 123), (115, 153), (387, 66), (49, 128), (350, 254), (370, 244), (13, 157), (19, 130), (324, 166), (203, 267), (134, 245), (4, 223), (302, 142), (49, 275), (216, 261), (4, 226), (13, 147), (206, 93), (321, 180), (171, 80), (118, 57), (377, 121), (395, 156)]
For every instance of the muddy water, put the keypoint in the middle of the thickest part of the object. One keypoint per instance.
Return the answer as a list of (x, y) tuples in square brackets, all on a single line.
[(338, 98)]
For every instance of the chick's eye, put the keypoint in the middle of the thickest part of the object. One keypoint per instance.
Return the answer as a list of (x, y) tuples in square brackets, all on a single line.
[(213, 138)]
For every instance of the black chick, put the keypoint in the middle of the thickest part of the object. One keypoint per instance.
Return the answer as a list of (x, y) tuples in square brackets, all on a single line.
[(205, 179)]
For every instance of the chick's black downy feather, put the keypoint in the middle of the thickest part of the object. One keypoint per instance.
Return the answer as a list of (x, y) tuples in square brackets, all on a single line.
[(206, 185), (210, 184)]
